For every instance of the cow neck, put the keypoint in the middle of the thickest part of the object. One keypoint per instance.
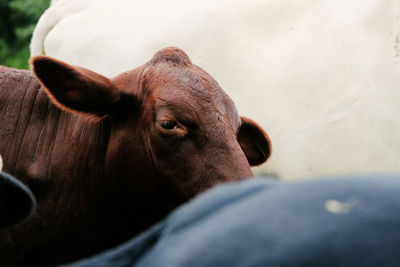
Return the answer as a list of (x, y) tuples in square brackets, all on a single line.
[(44, 142), (59, 155)]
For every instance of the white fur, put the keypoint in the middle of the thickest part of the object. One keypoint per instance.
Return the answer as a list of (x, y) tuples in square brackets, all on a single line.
[(1, 164), (322, 77), (59, 11)]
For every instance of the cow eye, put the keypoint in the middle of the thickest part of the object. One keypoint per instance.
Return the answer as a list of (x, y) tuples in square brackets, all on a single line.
[(171, 128), (168, 125)]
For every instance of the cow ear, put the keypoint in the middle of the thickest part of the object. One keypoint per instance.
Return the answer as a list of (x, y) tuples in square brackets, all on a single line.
[(74, 88), (254, 142)]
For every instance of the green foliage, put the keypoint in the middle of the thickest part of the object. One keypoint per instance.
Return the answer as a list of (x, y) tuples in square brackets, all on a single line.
[(17, 22)]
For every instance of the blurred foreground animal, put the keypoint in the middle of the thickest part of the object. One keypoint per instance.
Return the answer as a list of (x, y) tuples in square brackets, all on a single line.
[(16, 201), (328, 222)]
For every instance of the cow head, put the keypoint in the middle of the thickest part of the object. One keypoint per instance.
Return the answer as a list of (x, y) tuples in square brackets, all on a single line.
[(172, 127)]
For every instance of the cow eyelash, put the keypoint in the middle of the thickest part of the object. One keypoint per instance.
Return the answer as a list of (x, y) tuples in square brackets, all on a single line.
[(168, 125)]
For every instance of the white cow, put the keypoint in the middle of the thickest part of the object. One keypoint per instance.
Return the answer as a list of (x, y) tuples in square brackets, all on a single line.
[(323, 77)]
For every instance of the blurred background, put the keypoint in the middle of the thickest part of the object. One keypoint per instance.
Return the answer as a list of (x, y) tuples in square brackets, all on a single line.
[(17, 22)]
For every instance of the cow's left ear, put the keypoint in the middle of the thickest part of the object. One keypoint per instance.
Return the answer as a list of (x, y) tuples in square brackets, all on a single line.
[(254, 142), (74, 88)]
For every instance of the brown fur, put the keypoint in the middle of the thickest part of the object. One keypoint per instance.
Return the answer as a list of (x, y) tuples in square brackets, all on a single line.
[(103, 167)]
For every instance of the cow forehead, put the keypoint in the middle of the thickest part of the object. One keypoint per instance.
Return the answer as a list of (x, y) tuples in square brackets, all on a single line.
[(186, 87)]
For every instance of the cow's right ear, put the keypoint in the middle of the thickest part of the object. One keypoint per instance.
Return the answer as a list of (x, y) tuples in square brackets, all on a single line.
[(74, 88), (254, 142)]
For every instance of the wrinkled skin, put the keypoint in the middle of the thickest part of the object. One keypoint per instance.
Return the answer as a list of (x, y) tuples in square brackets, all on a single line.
[(116, 155)]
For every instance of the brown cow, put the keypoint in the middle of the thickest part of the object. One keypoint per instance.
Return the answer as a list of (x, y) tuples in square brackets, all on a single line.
[(117, 155)]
